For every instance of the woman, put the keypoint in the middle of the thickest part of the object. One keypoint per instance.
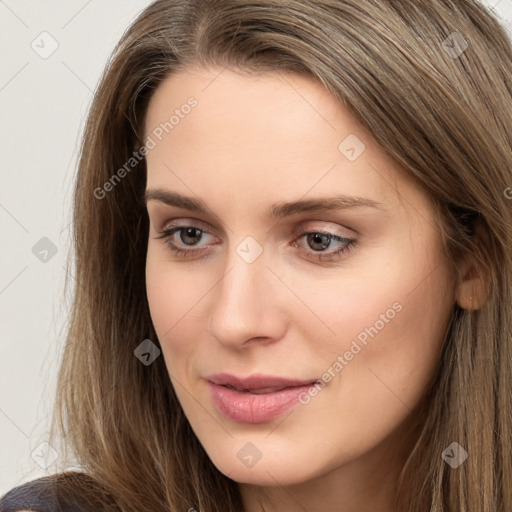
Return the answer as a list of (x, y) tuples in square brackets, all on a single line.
[(293, 238)]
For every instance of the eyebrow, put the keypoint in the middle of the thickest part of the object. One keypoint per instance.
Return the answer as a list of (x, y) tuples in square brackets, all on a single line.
[(277, 210)]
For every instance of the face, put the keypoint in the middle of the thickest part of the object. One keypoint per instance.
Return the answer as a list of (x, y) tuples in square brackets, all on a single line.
[(295, 274)]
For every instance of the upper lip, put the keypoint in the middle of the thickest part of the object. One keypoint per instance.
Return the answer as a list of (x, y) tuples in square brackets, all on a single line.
[(256, 382)]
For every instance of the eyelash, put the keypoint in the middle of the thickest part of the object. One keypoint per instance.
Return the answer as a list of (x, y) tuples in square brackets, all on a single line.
[(320, 256)]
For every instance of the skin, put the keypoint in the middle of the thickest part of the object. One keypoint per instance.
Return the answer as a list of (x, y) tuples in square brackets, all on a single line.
[(258, 139)]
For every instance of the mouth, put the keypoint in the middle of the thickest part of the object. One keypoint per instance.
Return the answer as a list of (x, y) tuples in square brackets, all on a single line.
[(255, 391), (257, 383), (255, 399)]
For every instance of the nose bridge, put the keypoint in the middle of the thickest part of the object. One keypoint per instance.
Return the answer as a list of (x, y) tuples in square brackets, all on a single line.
[(244, 306)]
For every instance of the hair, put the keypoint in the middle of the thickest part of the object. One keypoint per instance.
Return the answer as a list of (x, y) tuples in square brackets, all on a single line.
[(446, 120)]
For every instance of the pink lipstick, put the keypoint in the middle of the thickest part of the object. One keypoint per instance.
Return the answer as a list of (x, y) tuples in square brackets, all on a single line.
[(255, 399)]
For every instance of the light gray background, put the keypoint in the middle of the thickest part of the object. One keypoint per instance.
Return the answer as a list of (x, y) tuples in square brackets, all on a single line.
[(43, 103)]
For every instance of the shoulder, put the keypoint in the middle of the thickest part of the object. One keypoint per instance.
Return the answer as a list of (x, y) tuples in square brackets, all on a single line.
[(62, 492)]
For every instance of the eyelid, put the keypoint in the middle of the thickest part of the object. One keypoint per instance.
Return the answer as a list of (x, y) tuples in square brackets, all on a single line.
[(327, 257), (304, 228), (332, 228), (188, 222)]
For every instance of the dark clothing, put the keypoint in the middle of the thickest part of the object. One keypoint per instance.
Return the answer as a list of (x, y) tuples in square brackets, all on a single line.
[(63, 492)]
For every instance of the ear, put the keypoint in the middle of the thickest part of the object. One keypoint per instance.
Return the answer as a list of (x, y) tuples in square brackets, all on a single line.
[(473, 289)]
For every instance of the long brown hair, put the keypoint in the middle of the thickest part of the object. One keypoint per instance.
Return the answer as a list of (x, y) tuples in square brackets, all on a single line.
[(442, 110)]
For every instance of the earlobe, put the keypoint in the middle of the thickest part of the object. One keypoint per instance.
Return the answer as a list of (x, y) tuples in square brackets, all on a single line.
[(473, 289), (466, 302)]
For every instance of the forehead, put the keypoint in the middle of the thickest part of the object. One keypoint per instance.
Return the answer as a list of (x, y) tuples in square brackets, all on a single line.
[(264, 111), (276, 134), (291, 92)]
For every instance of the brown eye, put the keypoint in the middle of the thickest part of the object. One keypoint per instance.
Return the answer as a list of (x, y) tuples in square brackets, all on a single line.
[(318, 242), (189, 236), (186, 234)]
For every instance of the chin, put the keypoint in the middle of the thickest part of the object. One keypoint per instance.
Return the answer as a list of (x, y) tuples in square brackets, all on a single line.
[(269, 466), (266, 475)]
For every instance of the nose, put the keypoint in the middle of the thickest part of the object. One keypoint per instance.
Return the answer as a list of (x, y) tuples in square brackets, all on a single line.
[(246, 305)]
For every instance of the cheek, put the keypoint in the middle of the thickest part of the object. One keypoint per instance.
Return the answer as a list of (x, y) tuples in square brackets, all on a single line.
[(389, 318), (161, 293), (174, 298), (166, 297), (390, 336)]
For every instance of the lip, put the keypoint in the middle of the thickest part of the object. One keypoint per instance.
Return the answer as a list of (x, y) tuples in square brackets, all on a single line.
[(258, 398)]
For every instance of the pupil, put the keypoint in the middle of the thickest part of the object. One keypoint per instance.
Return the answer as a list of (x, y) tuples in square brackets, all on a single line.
[(319, 238), (192, 233)]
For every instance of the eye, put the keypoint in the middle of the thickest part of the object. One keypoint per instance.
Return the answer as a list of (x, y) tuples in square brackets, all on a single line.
[(318, 241), (188, 235)]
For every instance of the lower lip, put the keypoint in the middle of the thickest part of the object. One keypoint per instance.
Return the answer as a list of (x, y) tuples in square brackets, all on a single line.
[(248, 407)]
